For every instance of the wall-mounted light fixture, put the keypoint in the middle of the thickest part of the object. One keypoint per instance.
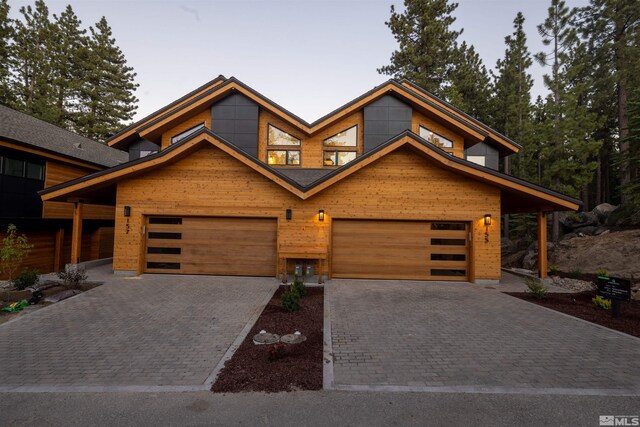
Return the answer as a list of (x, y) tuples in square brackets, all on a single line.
[(321, 215), (127, 211), (289, 214), (487, 223)]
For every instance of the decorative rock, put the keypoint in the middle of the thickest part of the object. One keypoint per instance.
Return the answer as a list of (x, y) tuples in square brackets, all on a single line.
[(572, 284), (295, 338), (62, 295), (602, 211), (265, 338)]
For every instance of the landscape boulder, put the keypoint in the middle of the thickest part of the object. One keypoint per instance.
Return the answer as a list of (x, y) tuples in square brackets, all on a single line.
[(602, 211)]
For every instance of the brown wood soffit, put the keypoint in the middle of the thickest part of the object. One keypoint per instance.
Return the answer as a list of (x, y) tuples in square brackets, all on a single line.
[(200, 99), (521, 190)]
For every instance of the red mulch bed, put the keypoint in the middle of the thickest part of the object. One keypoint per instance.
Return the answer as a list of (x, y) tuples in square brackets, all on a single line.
[(580, 305), (301, 367)]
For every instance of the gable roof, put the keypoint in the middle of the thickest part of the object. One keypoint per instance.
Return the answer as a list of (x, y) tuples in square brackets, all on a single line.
[(23, 129), (305, 185), (220, 87)]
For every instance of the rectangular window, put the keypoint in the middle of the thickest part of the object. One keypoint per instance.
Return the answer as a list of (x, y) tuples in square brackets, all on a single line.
[(164, 265), (448, 257), (164, 251), (13, 167), (145, 153), (444, 272), (179, 137), (161, 235), (449, 242), (346, 138), (338, 158), (479, 160), (35, 171), (283, 157), (279, 137), (164, 220), (448, 226), (436, 139)]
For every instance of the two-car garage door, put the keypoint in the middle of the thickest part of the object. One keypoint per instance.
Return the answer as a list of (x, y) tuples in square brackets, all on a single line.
[(414, 250), (219, 246)]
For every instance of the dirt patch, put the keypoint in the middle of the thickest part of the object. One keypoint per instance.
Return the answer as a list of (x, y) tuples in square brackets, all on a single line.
[(618, 252), (301, 367), (580, 305)]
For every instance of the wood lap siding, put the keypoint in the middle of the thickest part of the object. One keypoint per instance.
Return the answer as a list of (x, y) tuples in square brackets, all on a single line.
[(419, 119), (188, 123), (57, 173), (398, 186)]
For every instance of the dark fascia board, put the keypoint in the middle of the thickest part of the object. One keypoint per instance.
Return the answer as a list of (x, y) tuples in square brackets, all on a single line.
[(335, 172), (168, 106), (276, 106), (57, 153), (457, 110)]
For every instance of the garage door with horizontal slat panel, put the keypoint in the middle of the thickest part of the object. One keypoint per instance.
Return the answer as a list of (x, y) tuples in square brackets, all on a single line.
[(217, 246), (412, 250)]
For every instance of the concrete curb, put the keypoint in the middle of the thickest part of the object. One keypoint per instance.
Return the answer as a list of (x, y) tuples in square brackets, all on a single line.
[(327, 347), (101, 389), (96, 263), (491, 390), (208, 383)]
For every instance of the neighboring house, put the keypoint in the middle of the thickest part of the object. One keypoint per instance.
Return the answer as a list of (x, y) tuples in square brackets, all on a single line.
[(396, 184), (35, 155)]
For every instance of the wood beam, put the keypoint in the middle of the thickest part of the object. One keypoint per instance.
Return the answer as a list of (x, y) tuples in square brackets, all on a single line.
[(542, 245), (76, 233), (57, 257)]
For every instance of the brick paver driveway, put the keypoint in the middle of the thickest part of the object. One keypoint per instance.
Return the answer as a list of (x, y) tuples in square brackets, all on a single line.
[(460, 336), (151, 331)]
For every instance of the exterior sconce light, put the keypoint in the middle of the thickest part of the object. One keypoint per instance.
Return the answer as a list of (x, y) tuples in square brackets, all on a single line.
[(127, 211), (289, 214), (321, 215), (487, 223)]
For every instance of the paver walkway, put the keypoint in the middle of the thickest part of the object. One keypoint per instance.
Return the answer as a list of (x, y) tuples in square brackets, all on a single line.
[(438, 334), (155, 330)]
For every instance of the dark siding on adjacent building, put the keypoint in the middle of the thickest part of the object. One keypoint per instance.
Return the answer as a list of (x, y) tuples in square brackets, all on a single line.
[(235, 118), (384, 119)]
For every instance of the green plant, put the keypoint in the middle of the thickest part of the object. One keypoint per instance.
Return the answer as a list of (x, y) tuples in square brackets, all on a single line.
[(298, 286), (72, 275), (15, 248), (553, 269), (602, 272), (576, 273), (604, 303), (535, 287), (290, 300), (26, 278)]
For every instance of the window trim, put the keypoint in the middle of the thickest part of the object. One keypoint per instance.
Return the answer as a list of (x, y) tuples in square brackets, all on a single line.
[(440, 135), (299, 144), (188, 133), (349, 147), (335, 152), (286, 164)]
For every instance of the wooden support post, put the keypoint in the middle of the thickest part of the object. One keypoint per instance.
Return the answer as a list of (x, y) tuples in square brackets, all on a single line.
[(57, 257), (76, 233), (542, 245)]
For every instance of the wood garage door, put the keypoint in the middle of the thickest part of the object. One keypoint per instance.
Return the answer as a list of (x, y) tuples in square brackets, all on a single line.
[(414, 250), (218, 246)]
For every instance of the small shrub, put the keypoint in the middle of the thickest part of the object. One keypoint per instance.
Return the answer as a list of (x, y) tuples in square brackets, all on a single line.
[(15, 248), (25, 279), (290, 300), (600, 302), (535, 287), (576, 273), (553, 269), (298, 286), (72, 275), (602, 272), (276, 351)]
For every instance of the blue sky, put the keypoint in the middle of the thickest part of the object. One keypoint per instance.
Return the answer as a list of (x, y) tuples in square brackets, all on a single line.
[(308, 56)]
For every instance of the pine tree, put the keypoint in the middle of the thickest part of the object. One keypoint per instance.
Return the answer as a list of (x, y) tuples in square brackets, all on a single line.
[(427, 44), (6, 34), (569, 154), (107, 93), (31, 78), (470, 88), (67, 67)]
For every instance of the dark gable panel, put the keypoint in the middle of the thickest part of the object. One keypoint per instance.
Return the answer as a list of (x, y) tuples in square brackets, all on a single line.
[(481, 149), (235, 118), (141, 145), (384, 119)]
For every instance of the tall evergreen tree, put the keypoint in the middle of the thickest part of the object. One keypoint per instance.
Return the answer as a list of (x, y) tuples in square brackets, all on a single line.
[(108, 92), (427, 44), (571, 148), (68, 68), (34, 36), (6, 35)]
